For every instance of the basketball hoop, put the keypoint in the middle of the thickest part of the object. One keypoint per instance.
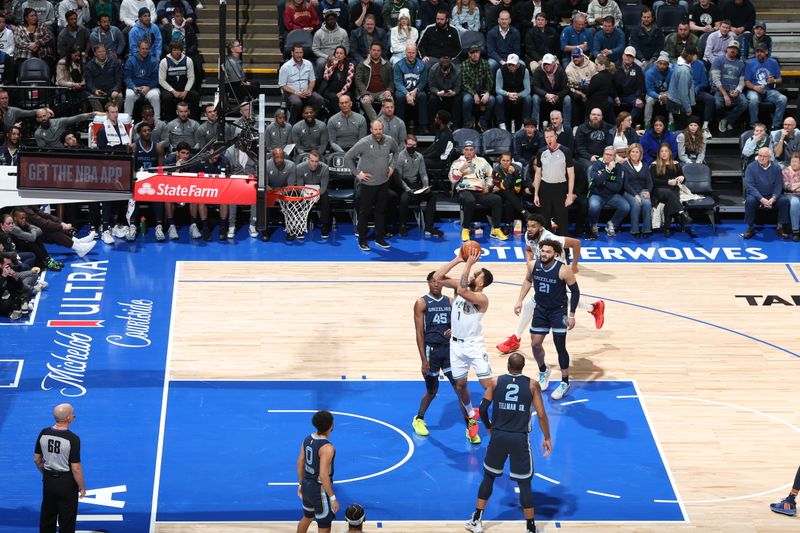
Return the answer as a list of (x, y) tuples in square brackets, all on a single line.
[(295, 202)]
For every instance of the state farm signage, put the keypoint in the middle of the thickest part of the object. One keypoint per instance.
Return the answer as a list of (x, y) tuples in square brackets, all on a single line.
[(195, 189), (75, 170)]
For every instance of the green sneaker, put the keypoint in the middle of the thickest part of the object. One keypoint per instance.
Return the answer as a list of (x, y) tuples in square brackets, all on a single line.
[(54, 265), (419, 427)]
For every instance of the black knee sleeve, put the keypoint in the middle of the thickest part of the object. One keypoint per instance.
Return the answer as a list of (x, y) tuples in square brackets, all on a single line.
[(432, 384), (560, 340), (525, 493), (486, 487)]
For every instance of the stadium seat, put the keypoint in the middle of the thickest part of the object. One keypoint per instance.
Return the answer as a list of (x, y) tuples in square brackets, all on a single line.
[(462, 135), (495, 141), (97, 123), (341, 185), (300, 37), (34, 73), (701, 45), (631, 16), (468, 38), (669, 16), (698, 180)]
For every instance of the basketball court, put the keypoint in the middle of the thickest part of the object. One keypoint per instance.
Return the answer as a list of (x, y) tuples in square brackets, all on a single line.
[(194, 369)]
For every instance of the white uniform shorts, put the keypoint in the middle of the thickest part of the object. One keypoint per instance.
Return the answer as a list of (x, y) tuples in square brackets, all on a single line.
[(466, 354)]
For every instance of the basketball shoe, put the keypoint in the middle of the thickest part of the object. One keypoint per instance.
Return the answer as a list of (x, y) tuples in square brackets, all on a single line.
[(472, 428), (420, 428), (785, 506), (561, 391), (544, 378), (598, 312), (476, 526), (509, 345)]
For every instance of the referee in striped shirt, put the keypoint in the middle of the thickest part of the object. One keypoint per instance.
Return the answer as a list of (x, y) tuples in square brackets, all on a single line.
[(58, 457), (554, 182)]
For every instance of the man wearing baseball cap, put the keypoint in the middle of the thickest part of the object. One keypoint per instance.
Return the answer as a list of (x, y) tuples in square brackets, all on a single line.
[(656, 85), (472, 180), (513, 87), (476, 87), (551, 90), (762, 75), (759, 36), (727, 81), (629, 83)]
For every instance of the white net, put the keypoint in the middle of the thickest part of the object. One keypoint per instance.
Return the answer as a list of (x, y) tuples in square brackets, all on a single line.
[(295, 205)]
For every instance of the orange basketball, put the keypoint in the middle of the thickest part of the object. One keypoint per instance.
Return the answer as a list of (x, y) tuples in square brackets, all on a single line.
[(468, 247)]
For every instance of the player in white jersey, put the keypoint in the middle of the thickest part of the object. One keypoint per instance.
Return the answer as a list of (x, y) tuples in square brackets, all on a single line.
[(535, 234), (467, 347)]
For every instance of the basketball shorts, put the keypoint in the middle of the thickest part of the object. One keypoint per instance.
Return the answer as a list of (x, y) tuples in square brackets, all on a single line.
[(438, 358), (466, 354), (545, 320), (316, 504), (516, 447)]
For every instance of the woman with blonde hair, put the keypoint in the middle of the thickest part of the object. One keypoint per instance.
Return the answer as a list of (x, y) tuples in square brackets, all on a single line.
[(401, 35), (466, 16), (638, 190), (667, 177)]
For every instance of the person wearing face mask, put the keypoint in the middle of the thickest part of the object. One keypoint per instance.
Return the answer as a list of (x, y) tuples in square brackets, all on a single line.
[(410, 176)]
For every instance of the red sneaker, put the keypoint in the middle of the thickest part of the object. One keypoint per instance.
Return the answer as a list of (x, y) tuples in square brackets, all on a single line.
[(509, 345), (598, 312)]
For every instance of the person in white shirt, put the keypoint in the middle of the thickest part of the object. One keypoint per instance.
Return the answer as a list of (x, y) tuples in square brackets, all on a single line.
[(6, 36), (129, 11)]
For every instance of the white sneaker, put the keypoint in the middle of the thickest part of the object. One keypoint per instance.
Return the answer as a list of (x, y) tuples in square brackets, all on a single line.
[(160, 233), (503, 126), (611, 231), (107, 238), (199, 5), (561, 391), (253, 231), (83, 248), (707, 133), (119, 231), (231, 232), (131, 236), (89, 238), (39, 287), (172, 232), (474, 525), (544, 378), (26, 307), (194, 232), (723, 125)]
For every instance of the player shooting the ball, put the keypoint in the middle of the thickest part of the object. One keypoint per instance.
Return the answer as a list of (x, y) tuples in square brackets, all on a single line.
[(467, 347)]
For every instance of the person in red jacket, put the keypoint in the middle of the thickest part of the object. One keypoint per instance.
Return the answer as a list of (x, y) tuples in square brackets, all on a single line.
[(298, 15)]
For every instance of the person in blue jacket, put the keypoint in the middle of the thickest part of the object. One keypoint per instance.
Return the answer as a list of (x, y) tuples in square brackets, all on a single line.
[(411, 88), (610, 41), (656, 84), (657, 135), (145, 30), (576, 35), (141, 79)]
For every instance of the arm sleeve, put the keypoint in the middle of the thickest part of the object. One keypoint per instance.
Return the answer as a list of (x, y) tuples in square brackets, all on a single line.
[(484, 411), (575, 296)]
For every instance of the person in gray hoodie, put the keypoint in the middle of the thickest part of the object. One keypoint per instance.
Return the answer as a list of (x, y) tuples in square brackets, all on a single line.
[(327, 38), (372, 160)]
